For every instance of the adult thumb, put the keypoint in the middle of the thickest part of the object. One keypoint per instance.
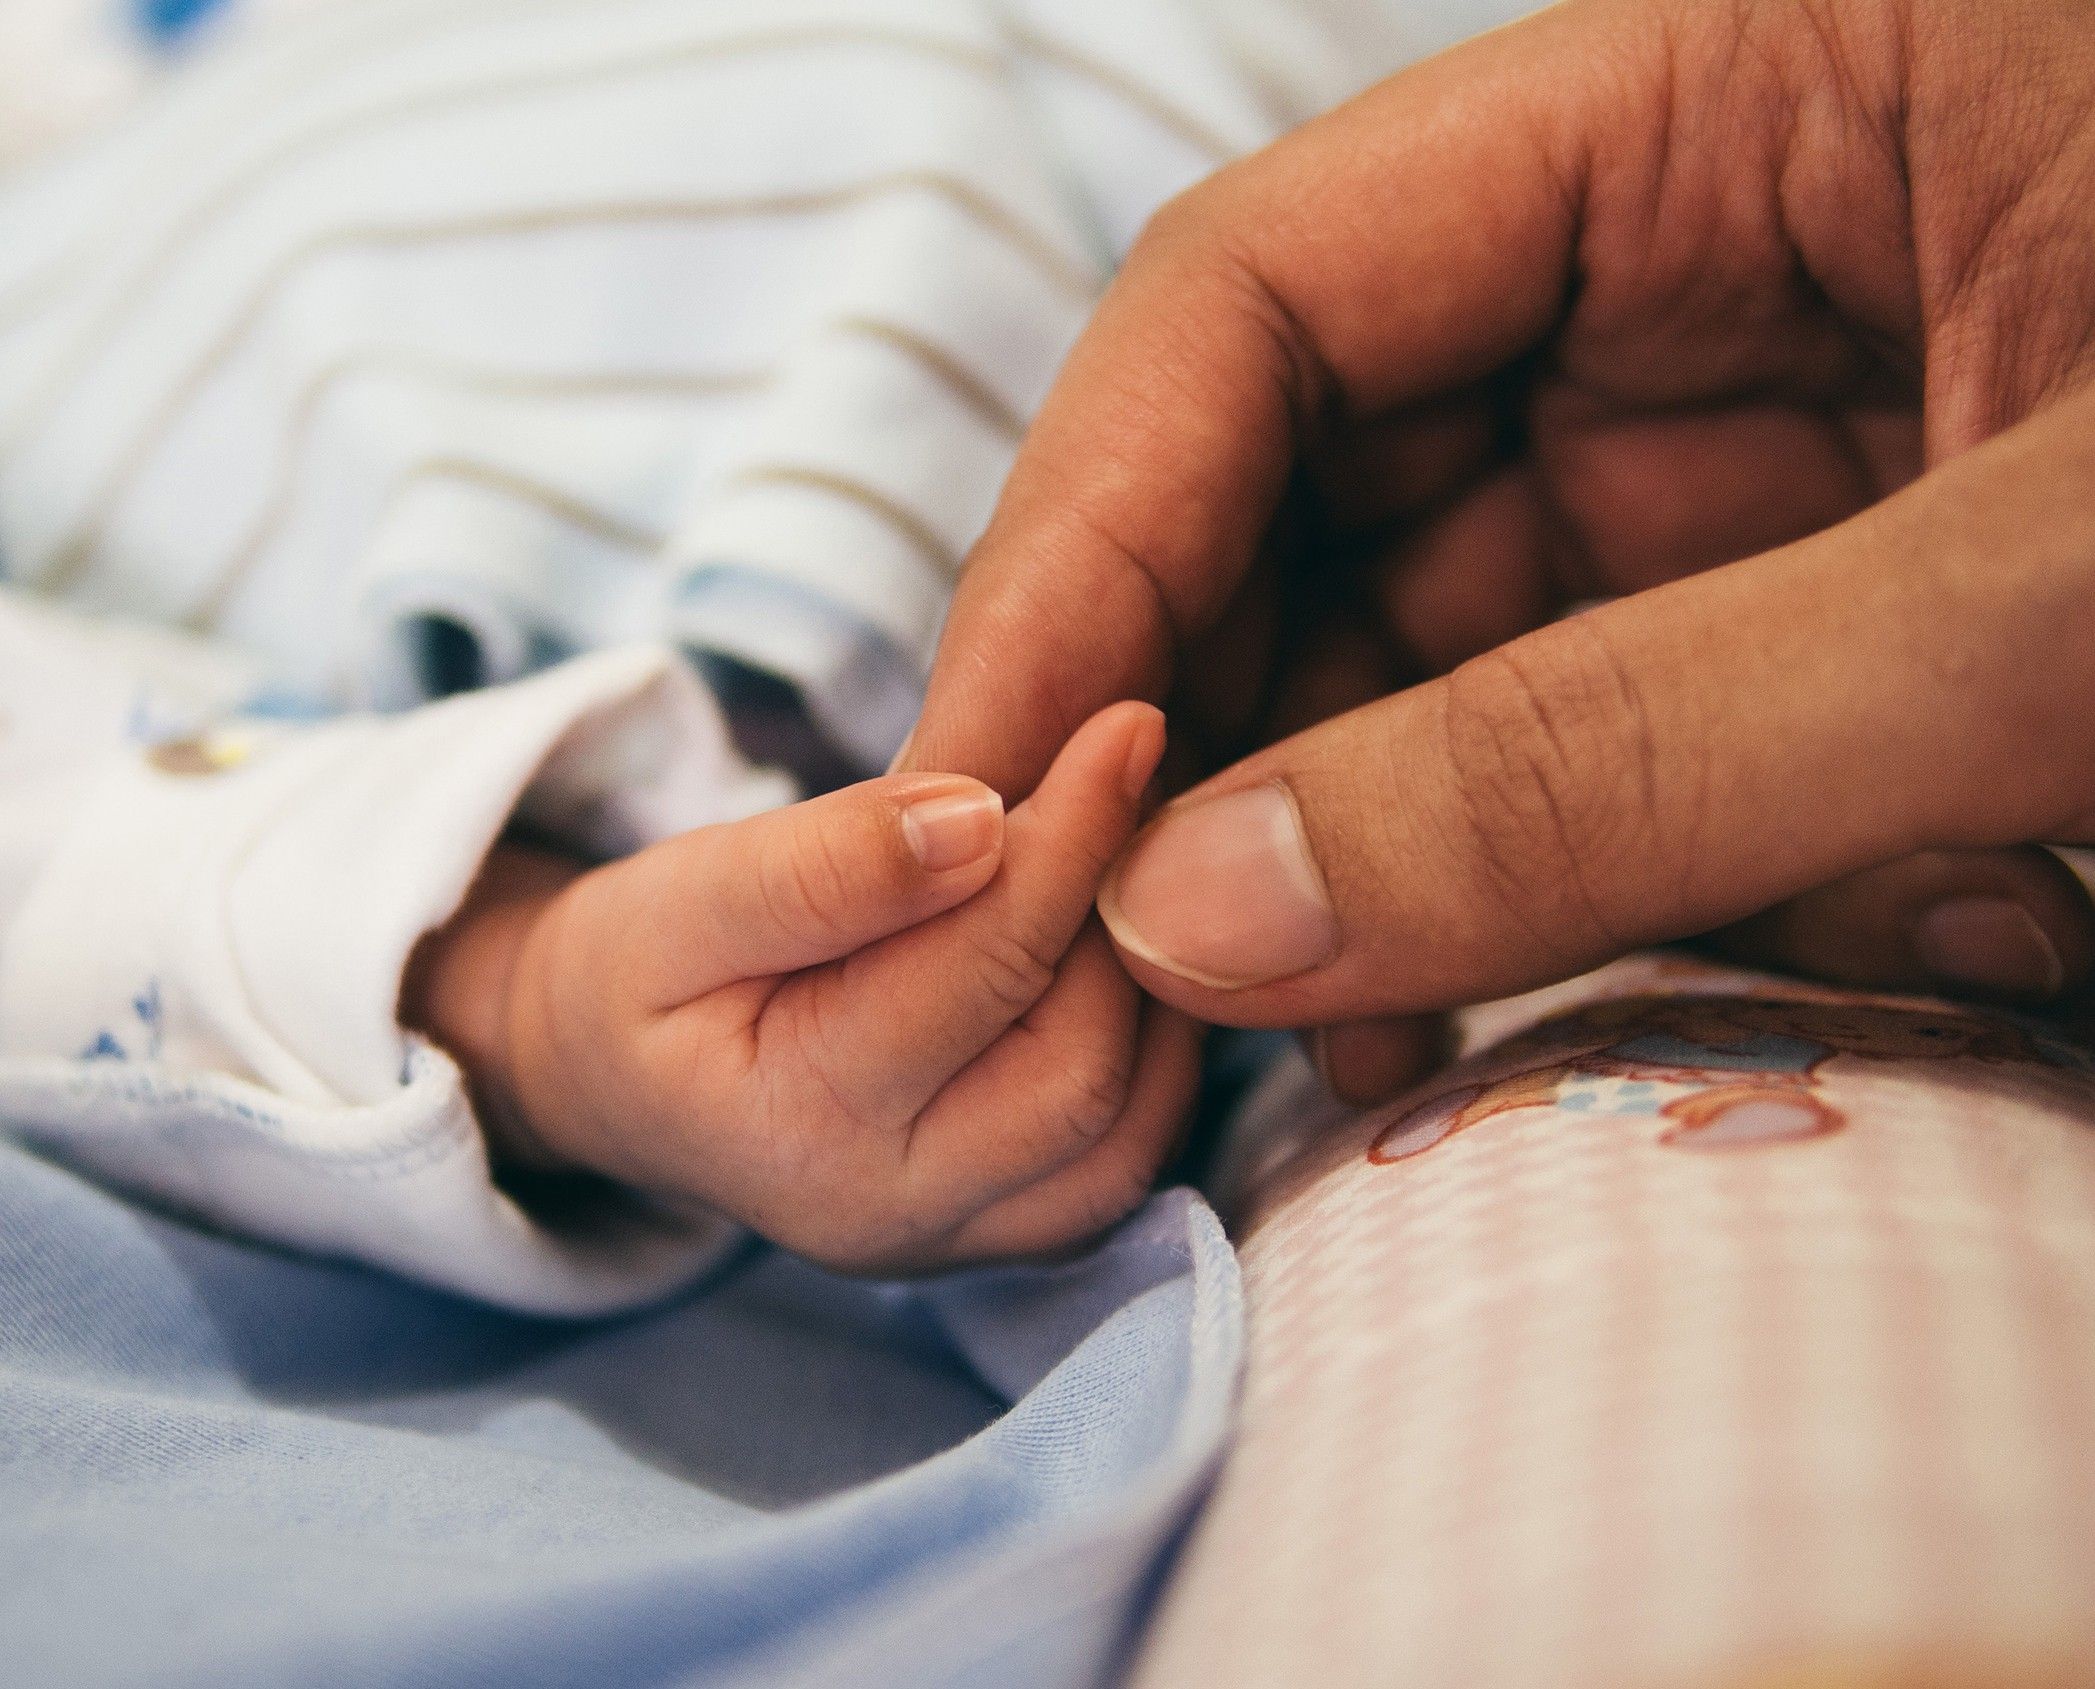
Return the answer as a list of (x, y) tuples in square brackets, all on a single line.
[(1656, 767)]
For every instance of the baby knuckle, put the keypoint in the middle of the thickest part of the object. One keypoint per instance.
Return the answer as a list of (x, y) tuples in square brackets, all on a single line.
[(806, 890), (1089, 1096), (1014, 969)]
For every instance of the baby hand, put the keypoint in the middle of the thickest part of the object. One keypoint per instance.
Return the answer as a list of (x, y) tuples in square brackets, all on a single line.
[(882, 1028)]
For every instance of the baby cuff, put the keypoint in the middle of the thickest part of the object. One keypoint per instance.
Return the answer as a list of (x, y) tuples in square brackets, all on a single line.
[(199, 995)]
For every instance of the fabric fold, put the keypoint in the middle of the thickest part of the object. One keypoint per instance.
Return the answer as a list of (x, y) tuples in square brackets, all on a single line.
[(198, 988)]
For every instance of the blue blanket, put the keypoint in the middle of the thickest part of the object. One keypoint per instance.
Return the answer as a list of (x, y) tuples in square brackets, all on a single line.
[(221, 1465)]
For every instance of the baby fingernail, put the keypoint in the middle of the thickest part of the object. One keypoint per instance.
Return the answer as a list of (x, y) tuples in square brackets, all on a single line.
[(1225, 892), (1145, 751), (949, 829), (1990, 943)]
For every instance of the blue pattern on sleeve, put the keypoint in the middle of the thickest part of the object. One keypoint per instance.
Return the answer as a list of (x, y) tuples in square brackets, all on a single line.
[(170, 21)]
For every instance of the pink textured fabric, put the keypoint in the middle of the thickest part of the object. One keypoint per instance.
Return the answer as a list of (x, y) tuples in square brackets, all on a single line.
[(1710, 1331)]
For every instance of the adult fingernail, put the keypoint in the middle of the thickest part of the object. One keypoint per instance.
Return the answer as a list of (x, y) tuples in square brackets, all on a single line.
[(1366, 1062), (902, 751), (950, 829), (1225, 892), (1990, 943)]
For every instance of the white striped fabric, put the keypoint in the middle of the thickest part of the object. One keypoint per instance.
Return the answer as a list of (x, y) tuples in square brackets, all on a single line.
[(545, 324)]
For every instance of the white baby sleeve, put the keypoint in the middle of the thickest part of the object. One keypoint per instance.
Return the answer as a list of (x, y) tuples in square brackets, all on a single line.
[(203, 933)]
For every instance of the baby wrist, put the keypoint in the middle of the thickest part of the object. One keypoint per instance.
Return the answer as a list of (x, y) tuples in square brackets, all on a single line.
[(462, 986)]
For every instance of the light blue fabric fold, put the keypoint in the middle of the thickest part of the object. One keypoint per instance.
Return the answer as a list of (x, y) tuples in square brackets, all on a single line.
[(222, 1465)]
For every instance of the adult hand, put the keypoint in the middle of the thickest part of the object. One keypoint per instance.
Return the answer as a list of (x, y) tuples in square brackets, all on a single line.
[(1764, 322)]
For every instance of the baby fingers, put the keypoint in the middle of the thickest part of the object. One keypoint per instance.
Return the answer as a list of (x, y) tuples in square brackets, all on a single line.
[(1112, 1174), (1051, 1136), (1039, 1097), (894, 1023), (791, 888)]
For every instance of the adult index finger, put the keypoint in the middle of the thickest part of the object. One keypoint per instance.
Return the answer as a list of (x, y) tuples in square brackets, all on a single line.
[(1411, 241)]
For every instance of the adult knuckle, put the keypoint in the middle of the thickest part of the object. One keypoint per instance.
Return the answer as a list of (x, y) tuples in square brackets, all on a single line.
[(1226, 244), (1184, 226), (1557, 785)]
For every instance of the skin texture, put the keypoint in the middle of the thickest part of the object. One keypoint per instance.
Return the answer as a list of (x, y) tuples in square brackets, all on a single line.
[(1769, 322), (883, 1065)]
